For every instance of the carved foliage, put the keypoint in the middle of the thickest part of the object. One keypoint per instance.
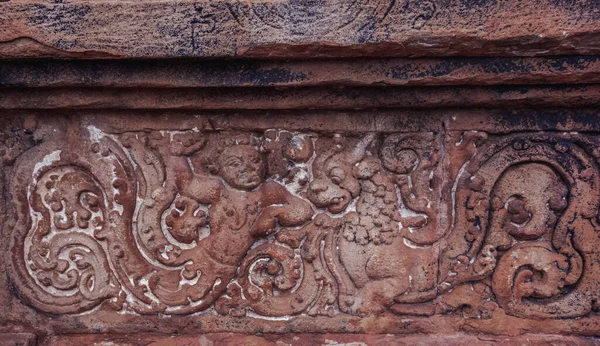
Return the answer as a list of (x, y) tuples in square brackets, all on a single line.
[(280, 224), (527, 209)]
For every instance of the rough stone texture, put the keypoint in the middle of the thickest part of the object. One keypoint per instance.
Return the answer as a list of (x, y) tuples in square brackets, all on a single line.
[(17, 339), (291, 28), (326, 339), (190, 224), (362, 200), (566, 69)]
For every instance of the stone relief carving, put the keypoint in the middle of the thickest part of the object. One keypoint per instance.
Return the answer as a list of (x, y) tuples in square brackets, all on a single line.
[(527, 208), (280, 224)]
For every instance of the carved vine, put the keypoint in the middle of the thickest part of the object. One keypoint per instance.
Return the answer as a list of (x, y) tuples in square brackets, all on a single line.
[(279, 224)]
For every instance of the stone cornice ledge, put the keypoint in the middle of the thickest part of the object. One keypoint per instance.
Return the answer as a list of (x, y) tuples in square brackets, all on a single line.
[(290, 29)]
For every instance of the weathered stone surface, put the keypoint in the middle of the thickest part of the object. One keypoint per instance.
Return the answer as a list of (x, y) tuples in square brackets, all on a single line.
[(326, 339), (17, 339), (301, 98), (577, 69), (363, 200), (175, 28), (202, 224)]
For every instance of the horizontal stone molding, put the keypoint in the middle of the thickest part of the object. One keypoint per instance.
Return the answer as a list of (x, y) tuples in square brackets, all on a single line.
[(325, 339), (568, 69), (306, 98)]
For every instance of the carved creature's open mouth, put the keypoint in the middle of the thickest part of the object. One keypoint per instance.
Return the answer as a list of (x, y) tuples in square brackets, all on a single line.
[(339, 203), (336, 200), (325, 194)]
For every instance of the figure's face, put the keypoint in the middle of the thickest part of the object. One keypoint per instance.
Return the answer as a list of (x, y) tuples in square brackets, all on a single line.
[(242, 167)]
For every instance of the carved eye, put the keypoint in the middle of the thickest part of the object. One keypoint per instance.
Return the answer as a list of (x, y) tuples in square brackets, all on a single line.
[(337, 175), (234, 163), (255, 159)]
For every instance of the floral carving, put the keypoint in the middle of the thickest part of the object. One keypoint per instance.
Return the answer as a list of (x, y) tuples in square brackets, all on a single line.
[(281, 224), (525, 204)]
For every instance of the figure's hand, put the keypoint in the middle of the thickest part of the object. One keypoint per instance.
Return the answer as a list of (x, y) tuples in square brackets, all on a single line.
[(185, 144), (183, 225)]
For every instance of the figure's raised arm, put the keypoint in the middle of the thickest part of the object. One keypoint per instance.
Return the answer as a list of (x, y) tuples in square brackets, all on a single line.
[(283, 208), (202, 188)]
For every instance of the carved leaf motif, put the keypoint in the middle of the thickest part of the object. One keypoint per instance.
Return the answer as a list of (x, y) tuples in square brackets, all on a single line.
[(284, 224)]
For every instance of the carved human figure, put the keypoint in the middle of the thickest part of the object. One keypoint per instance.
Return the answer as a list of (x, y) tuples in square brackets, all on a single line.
[(156, 222), (242, 208)]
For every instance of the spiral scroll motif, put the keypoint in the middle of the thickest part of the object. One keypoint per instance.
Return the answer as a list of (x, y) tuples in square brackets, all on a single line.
[(63, 205), (527, 206), (160, 223)]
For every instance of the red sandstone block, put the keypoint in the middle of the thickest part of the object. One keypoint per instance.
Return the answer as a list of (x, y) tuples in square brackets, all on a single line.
[(291, 29), (17, 339)]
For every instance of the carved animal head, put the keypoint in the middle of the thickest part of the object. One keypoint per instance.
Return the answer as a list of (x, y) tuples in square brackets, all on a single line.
[(334, 185), (324, 194)]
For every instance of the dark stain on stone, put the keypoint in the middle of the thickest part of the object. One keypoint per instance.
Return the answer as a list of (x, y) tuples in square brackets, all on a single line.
[(60, 18), (477, 3), (572, 62), (102, 72), (486, 65), (548, 119), (253, 74), (492, 66)]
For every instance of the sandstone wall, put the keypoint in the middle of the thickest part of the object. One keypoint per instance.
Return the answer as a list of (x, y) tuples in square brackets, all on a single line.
[(299, 172)]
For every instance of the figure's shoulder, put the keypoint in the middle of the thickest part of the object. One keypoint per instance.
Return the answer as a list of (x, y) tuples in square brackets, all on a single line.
[(205, 187), (271, 184), (272, 187)]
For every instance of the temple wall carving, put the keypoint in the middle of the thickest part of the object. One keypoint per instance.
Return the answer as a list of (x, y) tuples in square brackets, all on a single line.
[(259, 172), (115, 218)]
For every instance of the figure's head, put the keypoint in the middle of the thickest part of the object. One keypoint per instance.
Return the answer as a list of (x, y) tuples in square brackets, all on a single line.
[(242, 167)]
